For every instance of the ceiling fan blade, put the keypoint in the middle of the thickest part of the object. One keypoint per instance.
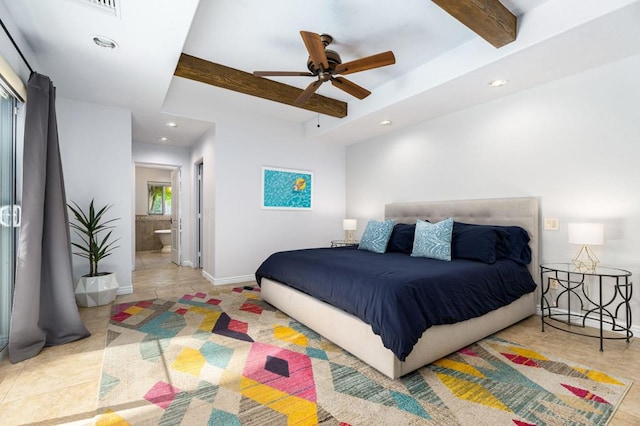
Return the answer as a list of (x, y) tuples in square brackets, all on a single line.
[(282, 74), (306, 94), (374, 61), (350, 87), (315, 48)]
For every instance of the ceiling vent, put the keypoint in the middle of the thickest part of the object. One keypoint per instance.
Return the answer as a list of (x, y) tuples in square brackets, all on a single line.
[(106, 6)]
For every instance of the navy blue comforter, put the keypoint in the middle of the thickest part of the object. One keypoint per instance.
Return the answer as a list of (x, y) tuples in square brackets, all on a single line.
[(398, 295)]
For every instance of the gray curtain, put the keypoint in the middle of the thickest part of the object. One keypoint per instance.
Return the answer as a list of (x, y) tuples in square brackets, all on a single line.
[(44, 307)]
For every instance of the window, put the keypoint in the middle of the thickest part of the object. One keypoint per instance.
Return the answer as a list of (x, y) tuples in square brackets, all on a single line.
[(159, 196)]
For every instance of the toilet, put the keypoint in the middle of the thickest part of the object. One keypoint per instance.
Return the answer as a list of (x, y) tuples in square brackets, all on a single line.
[(165, 239)]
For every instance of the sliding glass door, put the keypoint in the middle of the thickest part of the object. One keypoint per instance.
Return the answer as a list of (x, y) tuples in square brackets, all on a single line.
[(9, 211)]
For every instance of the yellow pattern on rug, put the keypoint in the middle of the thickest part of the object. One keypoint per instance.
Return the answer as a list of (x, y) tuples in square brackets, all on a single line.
[(288, 334), (298, 411), (473, 392)]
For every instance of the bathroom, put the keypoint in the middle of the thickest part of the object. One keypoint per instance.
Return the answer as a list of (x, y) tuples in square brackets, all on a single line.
[(153, 209)]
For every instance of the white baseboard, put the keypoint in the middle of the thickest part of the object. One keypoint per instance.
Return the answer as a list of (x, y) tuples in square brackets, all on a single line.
[(187, 263), (208, 276), (635, 329), (228, 280), (125, 290), (234, 280)]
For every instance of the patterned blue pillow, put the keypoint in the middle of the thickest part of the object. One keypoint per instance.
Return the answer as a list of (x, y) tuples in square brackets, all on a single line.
[(376, 236), (433, 240)]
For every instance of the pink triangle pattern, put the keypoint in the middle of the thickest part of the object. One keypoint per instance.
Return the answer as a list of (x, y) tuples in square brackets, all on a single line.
[(521, 423), (521, 360), (467, 351), (162, 394), (584, 394)]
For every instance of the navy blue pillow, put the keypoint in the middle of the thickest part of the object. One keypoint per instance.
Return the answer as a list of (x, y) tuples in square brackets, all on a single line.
[(401, 240), (477, 242), (517, 246)]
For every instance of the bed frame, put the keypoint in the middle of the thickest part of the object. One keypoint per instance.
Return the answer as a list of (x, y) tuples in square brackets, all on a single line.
[(355, 336)]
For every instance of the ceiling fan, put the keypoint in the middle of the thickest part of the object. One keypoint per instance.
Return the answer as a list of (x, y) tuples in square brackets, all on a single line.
[(325, 64)]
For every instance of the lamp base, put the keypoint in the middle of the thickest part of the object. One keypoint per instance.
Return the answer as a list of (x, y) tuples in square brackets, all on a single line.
[(348, 237), (586, 260)]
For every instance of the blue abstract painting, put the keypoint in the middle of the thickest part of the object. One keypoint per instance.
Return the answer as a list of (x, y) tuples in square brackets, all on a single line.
[(286, 189)]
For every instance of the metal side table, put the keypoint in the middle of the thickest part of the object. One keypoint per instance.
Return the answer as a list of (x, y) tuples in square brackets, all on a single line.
[(602, 295)]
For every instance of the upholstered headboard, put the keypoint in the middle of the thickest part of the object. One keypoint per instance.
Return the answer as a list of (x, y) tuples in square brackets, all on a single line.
[(521, 212)]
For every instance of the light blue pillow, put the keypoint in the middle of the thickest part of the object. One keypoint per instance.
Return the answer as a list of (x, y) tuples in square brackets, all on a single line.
[(376, 236), (433, 240)]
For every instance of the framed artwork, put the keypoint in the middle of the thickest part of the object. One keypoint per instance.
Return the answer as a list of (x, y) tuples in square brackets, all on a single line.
[(287, 189)]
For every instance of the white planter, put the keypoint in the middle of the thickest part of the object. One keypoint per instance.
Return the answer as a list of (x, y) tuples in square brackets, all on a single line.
[(96, 291)]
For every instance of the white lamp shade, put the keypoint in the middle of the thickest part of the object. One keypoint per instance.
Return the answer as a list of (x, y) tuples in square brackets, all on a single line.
[(586, 233), (349, 224)]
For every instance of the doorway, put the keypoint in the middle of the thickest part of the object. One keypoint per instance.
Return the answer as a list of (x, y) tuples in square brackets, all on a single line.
[(157, 227)]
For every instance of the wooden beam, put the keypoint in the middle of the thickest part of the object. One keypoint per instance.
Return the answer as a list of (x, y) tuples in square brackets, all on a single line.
[(218, 75), (487, 18)]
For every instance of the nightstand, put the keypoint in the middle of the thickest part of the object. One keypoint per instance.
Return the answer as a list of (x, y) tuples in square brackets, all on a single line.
[(601, 296), (343, 243)]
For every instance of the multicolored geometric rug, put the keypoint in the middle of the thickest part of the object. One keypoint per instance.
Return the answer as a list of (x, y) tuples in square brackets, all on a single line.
[(228, 358)]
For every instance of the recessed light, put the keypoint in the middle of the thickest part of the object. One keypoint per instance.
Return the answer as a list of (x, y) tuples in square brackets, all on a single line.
[(386, 123), (163, 139), (105, 42), (172, 124), (498, 83)]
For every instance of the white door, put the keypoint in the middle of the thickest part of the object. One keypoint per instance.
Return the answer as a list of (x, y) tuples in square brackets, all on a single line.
[(175, 216)]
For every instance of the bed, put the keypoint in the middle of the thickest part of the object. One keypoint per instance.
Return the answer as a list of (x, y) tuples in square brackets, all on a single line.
[(356, 336)]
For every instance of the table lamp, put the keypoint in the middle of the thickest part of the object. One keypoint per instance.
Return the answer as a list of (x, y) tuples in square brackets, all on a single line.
[(349, 225), (586, 234)]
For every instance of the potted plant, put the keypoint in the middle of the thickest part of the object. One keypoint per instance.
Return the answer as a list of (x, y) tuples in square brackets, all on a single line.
[(95, 288)]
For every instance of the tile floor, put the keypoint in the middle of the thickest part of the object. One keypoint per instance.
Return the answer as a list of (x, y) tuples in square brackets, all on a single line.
[(60, 386)]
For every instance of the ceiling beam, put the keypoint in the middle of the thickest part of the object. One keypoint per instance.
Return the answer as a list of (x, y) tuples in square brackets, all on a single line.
[(218, 75), (487, 18)]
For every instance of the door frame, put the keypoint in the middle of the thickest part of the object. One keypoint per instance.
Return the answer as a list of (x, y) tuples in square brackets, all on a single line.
[(199, 216), (11, 206), (169, 167), (176, 217)]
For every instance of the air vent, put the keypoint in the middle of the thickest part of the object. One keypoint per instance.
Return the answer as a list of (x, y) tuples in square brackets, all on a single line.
[(105, 6)]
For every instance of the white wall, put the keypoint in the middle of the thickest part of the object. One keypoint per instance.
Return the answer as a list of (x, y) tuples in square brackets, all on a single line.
[(95, 145), (155, 154), (143, 176), (243, 233), (574, 143)]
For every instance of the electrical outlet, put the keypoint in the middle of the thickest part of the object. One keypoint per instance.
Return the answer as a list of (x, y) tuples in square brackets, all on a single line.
[(554, 284)]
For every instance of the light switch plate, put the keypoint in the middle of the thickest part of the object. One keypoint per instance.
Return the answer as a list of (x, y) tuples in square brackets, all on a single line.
[(551, 224)]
